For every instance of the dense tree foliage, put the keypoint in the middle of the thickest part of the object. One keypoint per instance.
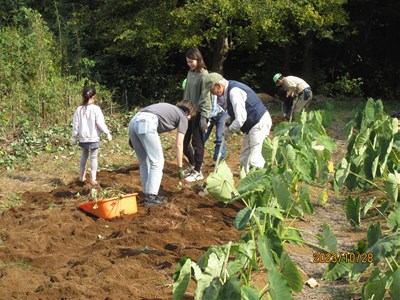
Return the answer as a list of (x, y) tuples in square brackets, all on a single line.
[(135, 49)]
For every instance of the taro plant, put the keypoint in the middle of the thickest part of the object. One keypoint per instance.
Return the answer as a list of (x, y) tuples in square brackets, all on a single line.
[(297, 154), (377, 257), (373, 149), (304, 147), (354, 212), (225, 272)]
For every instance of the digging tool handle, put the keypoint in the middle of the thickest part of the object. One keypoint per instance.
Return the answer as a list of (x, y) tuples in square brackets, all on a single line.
[(219, 154)]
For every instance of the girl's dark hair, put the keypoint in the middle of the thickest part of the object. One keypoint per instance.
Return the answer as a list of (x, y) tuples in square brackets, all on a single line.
[(187, 107), (87, 93), (195, 54)]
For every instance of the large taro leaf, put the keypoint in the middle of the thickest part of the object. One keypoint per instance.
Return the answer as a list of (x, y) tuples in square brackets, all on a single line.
[(371, 162), (395, 287), (229, 290), (373, 110), (291, 235), (326, 141), (361, 142), (212, 290), (290, 155), (368, 206), (254, 181), (337, 270), (283, 128), (245, 254), (395, 125), (352, 210), (296, 132), (247, 293), (213, 262), (271, 212), (374, 288), (268, 244), (269, 150), (181, 278), (374, 233), (278, 286), (281, 191), (392, 186), (328, 238), (291, 273), (305, 201), (220, 184), (385, 149), (304, 164), (393, 220), (233, 268), (342, 172), (243, 218), (352, 181), (383, 248)]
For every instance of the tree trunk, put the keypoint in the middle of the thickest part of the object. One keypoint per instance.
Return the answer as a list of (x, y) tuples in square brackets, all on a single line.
[(286, 62), (308, 58), (220, 54)]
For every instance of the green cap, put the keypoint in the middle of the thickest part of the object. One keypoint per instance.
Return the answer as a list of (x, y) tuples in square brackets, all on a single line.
[(212, 79), (276, 77), (184, 84)]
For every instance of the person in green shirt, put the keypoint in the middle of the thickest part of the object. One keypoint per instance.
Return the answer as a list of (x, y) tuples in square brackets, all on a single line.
[(197, 93)]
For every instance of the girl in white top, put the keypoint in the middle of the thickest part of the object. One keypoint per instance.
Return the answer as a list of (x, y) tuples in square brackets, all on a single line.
[(88, 123)]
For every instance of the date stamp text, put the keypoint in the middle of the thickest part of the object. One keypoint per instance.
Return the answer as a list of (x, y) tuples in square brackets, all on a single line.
[(347, 257)]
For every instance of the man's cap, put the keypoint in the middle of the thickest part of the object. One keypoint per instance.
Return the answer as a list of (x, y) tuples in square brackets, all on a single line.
[(276, 77), (212, 79)]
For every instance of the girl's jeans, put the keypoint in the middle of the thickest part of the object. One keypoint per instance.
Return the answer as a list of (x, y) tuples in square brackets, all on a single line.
[(93, 163), (219, 123), (146, 142)]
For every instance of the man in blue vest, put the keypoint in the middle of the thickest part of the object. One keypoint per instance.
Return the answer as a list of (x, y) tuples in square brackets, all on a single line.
[(248, 114)]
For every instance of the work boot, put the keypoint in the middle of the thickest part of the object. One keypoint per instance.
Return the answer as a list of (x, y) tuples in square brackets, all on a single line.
[(152, 199)]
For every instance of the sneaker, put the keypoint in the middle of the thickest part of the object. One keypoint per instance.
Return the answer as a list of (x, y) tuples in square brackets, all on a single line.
[(188, 171), (152, 199), (195, 176)]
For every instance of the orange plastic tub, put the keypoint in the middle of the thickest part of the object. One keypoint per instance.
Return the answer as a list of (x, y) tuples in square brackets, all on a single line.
[(113, 207)]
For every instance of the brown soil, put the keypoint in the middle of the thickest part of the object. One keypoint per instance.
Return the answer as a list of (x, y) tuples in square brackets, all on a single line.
[(50, 249)]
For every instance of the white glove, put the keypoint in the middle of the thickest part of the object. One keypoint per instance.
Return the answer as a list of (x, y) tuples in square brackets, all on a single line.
[(109, 137), (226, 132), (73, 140)]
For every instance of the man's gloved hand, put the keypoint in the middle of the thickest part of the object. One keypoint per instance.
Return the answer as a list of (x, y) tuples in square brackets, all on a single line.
[(307, 92), (73, 140), (226, 132), (203, 124), (181, 174), (109, 137)]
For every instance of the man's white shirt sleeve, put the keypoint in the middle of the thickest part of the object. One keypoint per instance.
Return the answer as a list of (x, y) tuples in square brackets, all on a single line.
[(238, 99)]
